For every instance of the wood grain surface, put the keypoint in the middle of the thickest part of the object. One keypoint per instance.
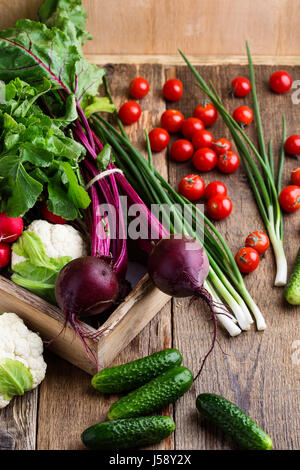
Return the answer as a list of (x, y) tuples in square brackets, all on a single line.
[(199, 27), (257, 372)]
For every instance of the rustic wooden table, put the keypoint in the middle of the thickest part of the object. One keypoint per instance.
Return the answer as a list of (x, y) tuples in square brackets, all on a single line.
[(260, 371)]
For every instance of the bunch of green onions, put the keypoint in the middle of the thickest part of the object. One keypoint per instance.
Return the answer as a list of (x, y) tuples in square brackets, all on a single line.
[(260, 169), (224, 281)]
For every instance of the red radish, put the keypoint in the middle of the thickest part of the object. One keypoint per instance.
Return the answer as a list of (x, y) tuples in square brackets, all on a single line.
[(179, 266), (10, 228), (86, 286), (5, 254), (48, 215)]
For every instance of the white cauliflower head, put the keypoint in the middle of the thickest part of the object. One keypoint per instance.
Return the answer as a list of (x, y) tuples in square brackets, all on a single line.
[(58, 240), (19, 345)]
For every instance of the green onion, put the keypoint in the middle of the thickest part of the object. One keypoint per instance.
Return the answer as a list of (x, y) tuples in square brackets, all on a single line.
[(259, 167)]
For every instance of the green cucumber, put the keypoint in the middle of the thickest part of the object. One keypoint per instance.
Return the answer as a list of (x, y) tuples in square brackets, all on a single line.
[(127, 433), (132, 375), (233, 421), (153, 396), (292, 292)]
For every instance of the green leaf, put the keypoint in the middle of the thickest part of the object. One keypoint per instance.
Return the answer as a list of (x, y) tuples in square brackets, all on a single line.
[(97, 104), (24, 190), (77, 194), (104, 158), (15, 378)]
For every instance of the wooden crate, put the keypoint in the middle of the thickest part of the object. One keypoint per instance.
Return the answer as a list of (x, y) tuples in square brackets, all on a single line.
[(129, 318)]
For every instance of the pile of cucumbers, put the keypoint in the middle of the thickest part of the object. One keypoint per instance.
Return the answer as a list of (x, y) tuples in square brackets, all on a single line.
[(154, 382)]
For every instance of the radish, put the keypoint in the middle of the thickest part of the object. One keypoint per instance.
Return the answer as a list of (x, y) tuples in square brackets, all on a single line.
[(10, 228), (49, 216), (5, 254), (179, 267), (86, 286)]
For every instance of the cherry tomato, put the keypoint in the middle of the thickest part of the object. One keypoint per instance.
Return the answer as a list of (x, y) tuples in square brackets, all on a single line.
[(247, 259), (221, 146), (289, 198), (295, 176), (190, 126), (207, 113), (204, 159), (292, 145), (240, 86), (130, 112), (159, 139), (229, 162), (10, 228), (48, 215), (281, 81), (219, 207), (259, 241), (172, 89), (243, 115), (202, 138), (182, 150), (215, 188), (5, 254), (138, 87), (172, 120), (192, 187)]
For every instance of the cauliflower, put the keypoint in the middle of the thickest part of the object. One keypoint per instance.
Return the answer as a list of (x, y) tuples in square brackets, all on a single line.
[(58, 240), (22, 366), (41, 252)]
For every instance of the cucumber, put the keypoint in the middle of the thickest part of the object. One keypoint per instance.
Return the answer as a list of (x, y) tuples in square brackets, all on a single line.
[(154, 395), (127, 433), (233, 421), (292, 292), (134, 374)]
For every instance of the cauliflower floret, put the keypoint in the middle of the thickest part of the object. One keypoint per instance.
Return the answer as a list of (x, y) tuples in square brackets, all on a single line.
[(17, 342), (58, 240)]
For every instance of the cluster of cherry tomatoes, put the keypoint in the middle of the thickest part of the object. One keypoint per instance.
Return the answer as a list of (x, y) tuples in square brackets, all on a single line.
[(248, 257), (219, 205), (289, 197)]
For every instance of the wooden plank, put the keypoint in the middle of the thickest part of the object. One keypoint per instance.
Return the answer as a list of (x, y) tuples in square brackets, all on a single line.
[(18, 423), (258, 373), (120, 27), (196, 59), (61, 421)]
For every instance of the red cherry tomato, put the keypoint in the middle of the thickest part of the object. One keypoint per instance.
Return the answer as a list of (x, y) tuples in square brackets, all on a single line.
[(192, 187), (10, 228), (221, 146), (172, 89), (48, 215), (292, 145), (130, 112), (259, 241), (5, 254), (229, 162), (172, 120), (190, 126), (202, 138), (159, 139), (295, 176), (243, 115), (289, 198), (215, 188), (281, 81), (240, 86), (247, 259), (138, 87), (219, 207), (204, 159), (207, 113), (182, 150)]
